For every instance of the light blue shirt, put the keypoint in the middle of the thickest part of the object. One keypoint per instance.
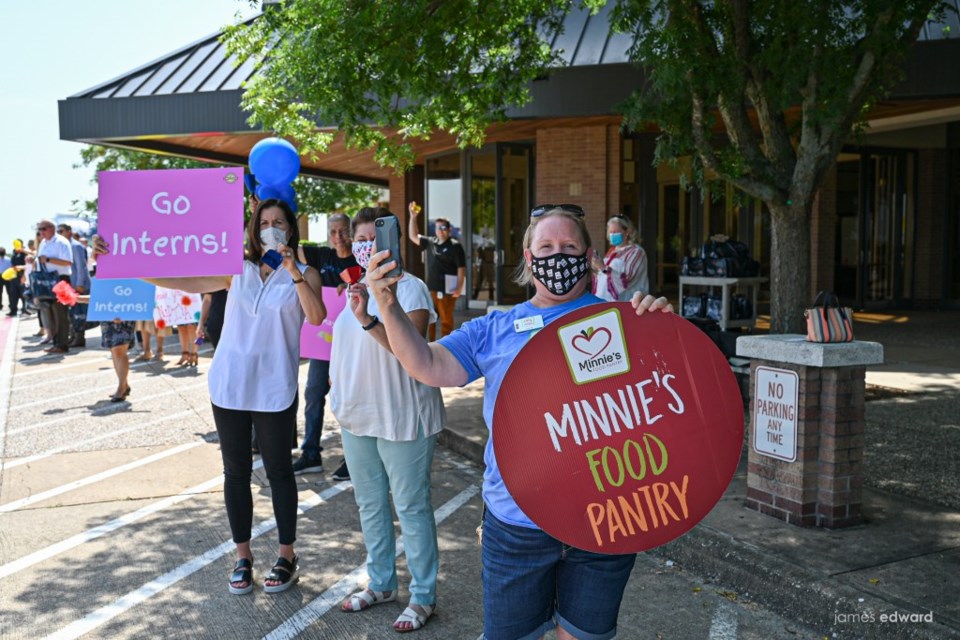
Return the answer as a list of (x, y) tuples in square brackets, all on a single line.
[(486, 346), (79, 276)]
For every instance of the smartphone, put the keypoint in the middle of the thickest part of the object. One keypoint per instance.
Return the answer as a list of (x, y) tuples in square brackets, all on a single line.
[(388, 238)]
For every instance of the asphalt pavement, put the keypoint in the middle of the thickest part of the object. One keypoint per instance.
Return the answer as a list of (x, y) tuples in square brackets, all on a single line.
[(112, 526)]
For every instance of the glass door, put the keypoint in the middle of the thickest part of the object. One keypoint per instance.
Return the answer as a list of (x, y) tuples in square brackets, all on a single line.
[(514, 201), (887, 229), (499, 193), (482, 169), (875, 228), (673, 233)]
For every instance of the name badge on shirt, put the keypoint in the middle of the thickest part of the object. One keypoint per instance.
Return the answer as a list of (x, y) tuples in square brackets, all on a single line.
[(528, 324)]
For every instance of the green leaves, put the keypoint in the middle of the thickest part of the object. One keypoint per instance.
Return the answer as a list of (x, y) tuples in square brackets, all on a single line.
[(786, 80), (385, 73)]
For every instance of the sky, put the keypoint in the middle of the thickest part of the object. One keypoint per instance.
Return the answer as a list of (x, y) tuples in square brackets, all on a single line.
[(53, 49)]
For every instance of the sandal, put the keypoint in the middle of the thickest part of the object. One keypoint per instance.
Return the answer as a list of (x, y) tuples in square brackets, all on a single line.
[(143, 357), (286, 572), (242, 572), (414, 617), (365, 599), (159, 356), (184, 360), (194, 359)]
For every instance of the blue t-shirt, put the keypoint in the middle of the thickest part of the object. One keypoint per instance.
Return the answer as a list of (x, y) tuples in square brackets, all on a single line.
[(486, 346)]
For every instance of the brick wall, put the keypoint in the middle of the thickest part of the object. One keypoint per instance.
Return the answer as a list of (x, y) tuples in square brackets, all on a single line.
[(823, 487), (581, 165)]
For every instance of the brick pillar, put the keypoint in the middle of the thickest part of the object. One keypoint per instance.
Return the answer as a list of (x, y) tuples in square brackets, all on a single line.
[(823, 486), (841, 423)]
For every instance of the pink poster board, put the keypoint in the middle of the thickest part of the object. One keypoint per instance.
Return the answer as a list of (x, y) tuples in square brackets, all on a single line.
[(171, 223), (316, 340)]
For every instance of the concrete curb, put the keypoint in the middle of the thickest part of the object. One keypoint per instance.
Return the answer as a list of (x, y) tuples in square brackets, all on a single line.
[(793, 591)]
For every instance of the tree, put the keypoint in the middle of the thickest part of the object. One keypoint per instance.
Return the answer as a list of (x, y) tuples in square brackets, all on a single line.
[(383, 72), (314, 195), (788, 82)]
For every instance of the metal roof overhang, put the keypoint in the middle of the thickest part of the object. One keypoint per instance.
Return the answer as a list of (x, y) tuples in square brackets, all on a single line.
[(211, 126)]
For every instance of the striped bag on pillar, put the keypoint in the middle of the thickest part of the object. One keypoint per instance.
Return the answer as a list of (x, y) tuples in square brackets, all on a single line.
[(827, 321)]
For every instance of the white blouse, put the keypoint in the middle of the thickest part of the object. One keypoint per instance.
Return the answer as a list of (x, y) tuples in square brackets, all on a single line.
[(370, 393), (257, 361)]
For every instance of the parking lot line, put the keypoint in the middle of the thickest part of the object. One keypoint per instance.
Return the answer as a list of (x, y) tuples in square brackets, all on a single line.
[(104, 614), (333, 596), (121, 521), (97, 477), (81, 443)]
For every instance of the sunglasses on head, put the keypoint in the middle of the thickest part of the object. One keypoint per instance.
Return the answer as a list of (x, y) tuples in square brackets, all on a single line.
[(541, 209)]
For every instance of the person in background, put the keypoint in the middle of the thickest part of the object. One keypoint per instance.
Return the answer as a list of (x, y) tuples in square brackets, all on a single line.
[(149, 328), (445, 260), (253, 381), (531, 582), (55, 254), (187, 334), (18, 260), (119, 336), (212, 310), (388, 424), (80, 281), (5, 264), (623, 271), (329, 262)]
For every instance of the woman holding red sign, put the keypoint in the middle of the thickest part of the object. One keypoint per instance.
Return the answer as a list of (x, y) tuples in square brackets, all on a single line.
[(531, 581), (253, 379)]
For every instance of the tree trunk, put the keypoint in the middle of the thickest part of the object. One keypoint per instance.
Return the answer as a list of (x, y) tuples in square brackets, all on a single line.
[(789, 267)]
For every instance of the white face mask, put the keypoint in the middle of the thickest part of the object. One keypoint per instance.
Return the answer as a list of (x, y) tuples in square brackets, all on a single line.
[(271, 238)]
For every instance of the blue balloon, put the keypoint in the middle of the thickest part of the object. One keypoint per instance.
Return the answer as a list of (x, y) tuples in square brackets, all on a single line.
[(274, 161), (287, 193), (268, 191)]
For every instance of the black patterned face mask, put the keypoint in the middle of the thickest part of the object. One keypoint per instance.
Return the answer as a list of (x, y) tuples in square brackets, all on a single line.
[(560, 272)]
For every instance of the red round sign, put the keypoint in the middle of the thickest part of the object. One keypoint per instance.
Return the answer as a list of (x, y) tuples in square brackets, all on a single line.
[(617, 433)]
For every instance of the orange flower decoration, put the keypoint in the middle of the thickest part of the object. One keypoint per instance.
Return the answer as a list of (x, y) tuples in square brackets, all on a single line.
[(185, 301), (161, 324)]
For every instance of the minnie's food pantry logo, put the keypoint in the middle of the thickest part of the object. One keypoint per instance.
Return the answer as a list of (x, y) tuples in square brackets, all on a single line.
[(594, 347)]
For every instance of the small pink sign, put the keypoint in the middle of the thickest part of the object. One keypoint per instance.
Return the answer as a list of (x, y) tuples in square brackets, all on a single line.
[(171, 223), (316, 340)]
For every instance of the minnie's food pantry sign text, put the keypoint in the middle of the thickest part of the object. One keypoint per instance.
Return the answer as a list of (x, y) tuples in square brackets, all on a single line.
[(607, 434)]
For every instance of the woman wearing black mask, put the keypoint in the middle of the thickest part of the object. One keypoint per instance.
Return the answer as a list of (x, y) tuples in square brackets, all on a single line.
[(531, 581)]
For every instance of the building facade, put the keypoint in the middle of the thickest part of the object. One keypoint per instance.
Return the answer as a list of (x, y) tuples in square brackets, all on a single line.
[(885, 230)]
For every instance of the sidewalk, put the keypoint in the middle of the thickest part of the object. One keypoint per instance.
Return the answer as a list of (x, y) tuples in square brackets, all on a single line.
[(904, 560)]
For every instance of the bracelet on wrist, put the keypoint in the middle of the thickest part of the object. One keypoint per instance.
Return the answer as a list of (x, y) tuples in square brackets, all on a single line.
[(298, 281), (372, 324)]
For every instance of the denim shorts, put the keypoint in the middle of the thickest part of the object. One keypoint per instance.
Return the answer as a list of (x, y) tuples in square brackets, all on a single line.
[(532, 583)]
